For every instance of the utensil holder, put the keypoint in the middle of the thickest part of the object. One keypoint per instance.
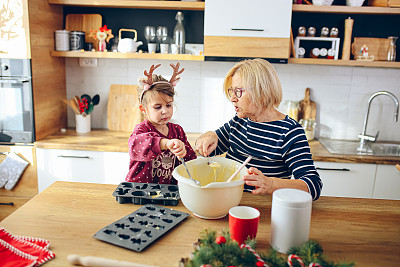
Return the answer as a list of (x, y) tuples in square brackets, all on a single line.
[(83, 124)]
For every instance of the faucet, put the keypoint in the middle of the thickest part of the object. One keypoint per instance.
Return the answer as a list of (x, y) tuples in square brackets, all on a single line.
[(363, 136)]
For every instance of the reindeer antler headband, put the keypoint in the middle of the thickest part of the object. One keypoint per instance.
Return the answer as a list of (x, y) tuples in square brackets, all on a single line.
[(146, 84)]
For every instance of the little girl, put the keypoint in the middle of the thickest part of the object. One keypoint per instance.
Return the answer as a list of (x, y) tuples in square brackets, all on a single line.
[(156, 144)]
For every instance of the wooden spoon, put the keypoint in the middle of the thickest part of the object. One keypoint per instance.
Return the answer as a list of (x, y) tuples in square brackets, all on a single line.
[(398, 166)]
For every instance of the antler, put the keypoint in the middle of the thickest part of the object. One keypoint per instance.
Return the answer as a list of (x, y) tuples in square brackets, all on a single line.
[(175, 77), (150, 74)]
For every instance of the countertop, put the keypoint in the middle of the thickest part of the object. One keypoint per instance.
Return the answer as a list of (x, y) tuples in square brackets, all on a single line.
[(105, 140), (364, 231)]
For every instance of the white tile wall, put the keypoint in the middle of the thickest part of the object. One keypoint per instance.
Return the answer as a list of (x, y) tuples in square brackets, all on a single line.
[(341, 93)]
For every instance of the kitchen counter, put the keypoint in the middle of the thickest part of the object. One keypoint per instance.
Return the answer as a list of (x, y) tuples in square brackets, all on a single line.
[(105, 140), (364, 231)]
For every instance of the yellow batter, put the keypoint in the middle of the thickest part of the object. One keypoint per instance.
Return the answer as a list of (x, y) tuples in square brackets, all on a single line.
[(207, 174)]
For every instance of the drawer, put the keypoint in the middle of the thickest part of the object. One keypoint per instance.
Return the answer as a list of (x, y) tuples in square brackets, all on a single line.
[(80, 166), (346, 179), (387, 182), (10, 204)]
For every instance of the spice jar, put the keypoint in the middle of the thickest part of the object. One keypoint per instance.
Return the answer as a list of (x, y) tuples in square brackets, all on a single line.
[(334, 32), (314, 53), (300, 52), (311, 32), (301, 31), (290, 218), (323, 52), (331, 54), (324, 32)]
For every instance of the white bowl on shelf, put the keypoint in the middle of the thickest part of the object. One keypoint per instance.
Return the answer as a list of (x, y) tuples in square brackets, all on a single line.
[(354, 2), (322, 2)]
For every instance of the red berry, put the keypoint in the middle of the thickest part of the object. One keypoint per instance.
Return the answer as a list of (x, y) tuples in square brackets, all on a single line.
[(260, 264), (220, 240)]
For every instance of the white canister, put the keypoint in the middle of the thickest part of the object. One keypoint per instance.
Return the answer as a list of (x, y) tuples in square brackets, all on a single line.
[(83, 124), (290, 218), (61, 40)]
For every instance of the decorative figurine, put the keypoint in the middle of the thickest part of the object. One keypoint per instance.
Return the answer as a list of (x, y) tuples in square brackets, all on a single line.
[(103, 35)]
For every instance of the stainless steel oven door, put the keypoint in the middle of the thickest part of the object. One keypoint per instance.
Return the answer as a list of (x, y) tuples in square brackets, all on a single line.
[(16, 110)]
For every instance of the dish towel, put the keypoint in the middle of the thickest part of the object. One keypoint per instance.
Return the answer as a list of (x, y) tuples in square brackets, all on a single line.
[(11, 170), (22, 251)]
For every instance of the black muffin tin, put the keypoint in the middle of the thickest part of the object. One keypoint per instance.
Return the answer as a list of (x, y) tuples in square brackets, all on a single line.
[(141, 228), (144, 193)]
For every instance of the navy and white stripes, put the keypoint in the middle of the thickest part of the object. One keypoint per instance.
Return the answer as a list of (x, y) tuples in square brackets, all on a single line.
[(279, 149)]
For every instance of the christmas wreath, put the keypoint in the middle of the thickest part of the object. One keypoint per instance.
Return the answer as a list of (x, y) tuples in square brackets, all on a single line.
[(215, 251)]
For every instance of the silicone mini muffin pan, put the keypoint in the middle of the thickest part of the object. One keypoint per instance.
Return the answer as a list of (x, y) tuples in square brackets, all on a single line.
[(141, 228), (144, 193)]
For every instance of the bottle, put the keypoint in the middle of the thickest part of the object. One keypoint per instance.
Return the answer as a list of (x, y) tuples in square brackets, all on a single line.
[(179, 33), (392, 48)]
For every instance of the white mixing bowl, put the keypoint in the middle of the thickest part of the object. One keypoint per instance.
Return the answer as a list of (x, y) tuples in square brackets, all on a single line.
[(214, 197)]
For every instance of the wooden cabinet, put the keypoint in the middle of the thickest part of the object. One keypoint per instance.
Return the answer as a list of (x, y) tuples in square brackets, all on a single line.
[(346, 179), (26, 187), (80, 166), (387, 182), (378, 22), (255, 28), (14, 28)]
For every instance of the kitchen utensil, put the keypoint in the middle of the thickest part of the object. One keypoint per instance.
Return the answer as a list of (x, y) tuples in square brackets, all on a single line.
[(85, 23), (128, 45), (398, 166), (141, 228), (187, 170), (307, 108), (147, 193), (101, 262), (239, 169), (348, 29), (123, 108), (201, 200)]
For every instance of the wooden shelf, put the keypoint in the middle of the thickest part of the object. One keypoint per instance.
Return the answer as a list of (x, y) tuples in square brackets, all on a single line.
[(353, 63), (126, 55), (180, 5), (347, 10)]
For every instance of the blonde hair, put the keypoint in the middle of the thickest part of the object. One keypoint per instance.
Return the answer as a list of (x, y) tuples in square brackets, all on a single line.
[(260, 79), (161, 88)]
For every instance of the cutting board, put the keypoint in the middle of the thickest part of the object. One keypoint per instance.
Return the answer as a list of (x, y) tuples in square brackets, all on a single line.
[(307, 108), (123, 108), (84, 22)]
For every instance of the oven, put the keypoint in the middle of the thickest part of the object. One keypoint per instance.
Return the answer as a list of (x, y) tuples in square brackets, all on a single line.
[(16, 102)]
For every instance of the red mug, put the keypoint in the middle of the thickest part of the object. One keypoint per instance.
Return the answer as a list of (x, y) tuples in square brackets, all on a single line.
[(243, 223)]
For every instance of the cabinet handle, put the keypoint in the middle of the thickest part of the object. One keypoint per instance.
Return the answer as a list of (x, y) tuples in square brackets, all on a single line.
[(74, 157), (251, 30), (9, 204), (333, 169)]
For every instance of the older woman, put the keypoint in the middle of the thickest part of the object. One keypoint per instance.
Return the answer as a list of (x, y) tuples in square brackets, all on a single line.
[(276, 142)]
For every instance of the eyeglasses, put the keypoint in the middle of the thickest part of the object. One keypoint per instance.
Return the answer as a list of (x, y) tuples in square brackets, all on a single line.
[(237, 91)]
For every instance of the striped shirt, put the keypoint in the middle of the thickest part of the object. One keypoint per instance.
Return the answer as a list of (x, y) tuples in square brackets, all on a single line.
[(279, 149)]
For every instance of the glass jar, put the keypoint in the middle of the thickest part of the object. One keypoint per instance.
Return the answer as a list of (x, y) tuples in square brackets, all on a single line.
[(292, 109), (309, 128)]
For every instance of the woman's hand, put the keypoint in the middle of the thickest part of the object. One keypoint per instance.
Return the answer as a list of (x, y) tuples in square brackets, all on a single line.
[(263, 184), (176, 146), (206, 143)]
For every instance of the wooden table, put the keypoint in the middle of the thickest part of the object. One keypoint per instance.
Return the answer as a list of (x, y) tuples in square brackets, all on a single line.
[(365, 231)]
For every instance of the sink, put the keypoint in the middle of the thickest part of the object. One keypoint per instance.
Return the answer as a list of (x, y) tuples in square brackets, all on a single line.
[(350, 147)]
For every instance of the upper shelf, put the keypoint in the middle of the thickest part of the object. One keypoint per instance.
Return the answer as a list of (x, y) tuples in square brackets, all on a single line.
[(126, 55), (367, 10), (183, 5), (352, 63)]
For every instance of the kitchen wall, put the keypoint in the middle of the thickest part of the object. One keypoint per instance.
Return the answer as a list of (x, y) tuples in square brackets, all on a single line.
[(341, 93)]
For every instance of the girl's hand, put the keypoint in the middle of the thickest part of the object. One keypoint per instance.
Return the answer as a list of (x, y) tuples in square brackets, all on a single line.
[(177, 147), (263, 184), (206, 143)]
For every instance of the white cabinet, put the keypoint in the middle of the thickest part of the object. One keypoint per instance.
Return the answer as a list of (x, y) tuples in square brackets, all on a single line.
[(347, 179), (253, 28), (80, 166), (387, 182)]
